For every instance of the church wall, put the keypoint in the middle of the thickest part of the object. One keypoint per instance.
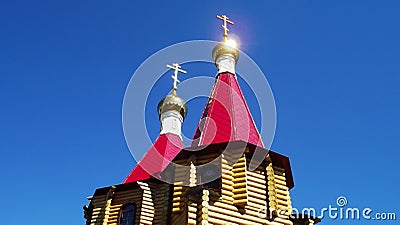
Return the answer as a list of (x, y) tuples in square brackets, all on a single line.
[(151, 199), (278, 192), (97, 212), (155, 202), (121, 198), (245, 196), (180, 213), (221, 211)]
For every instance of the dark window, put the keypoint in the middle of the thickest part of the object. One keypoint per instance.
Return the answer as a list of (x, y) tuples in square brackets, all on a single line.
[(209, 176), (128, 215)]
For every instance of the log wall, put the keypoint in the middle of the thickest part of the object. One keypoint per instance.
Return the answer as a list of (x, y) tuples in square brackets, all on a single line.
[(179, 214), (278, 192), (151, 199), (245, 197)]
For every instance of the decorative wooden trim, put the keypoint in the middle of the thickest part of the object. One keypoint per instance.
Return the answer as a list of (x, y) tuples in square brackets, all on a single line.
[(192, 175), (278, 193), (202, 209), (109, 198), (240, 196)]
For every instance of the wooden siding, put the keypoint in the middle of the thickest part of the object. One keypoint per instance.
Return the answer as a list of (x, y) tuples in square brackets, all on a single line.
[(151, 199), (246, 197), (239, 184), (278, 193)]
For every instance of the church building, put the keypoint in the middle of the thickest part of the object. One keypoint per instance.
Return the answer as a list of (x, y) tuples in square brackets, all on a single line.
[(212, 180)]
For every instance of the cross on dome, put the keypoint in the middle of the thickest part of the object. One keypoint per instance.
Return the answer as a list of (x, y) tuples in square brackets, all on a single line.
[(226, 20), (177, 68)]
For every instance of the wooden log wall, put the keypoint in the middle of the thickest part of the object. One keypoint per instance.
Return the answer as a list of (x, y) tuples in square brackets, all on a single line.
[(202, 212), (238, 183), (221, 212), (124, 197), (106, 208), (98, 204), (239, 188), (151, 199), (183, 211), (154, 202), (227, 161), (246, 197), (256, 186), (179, 213), (278, 192), (101, 207), (192, 213)]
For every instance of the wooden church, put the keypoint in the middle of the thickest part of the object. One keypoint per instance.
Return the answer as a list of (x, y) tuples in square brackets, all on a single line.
[(211, 182)]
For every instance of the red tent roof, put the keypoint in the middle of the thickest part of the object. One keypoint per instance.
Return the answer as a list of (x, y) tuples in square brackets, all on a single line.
[(226, 116), (157, 158)]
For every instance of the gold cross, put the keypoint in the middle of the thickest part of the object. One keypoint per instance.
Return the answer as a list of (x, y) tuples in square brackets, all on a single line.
[(177, 68), (225, 26)]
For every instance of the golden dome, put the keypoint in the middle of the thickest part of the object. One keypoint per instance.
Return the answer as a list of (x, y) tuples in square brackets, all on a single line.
[(172, 102), (224, 48)]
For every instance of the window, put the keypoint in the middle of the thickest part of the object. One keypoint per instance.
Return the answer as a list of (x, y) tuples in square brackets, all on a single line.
[(209, 176), (128, 215)]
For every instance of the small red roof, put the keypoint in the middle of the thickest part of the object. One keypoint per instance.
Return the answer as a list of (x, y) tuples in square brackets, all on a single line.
[(226, 116), (157, 158)]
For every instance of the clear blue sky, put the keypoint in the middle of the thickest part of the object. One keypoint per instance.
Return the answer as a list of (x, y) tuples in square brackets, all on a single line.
[(64, 65)]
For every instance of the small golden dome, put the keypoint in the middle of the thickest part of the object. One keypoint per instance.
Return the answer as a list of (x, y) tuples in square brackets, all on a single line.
[(223, 48), (172, 102)]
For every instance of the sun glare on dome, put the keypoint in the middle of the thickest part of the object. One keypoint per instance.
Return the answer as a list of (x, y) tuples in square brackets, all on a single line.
[(231, 43)]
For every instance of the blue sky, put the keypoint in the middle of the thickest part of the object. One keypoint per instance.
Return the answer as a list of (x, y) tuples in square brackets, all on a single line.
[(333, 67)]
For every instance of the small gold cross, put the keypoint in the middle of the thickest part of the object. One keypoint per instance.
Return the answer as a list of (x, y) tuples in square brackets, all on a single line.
[(177, 68), (225, 25)]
